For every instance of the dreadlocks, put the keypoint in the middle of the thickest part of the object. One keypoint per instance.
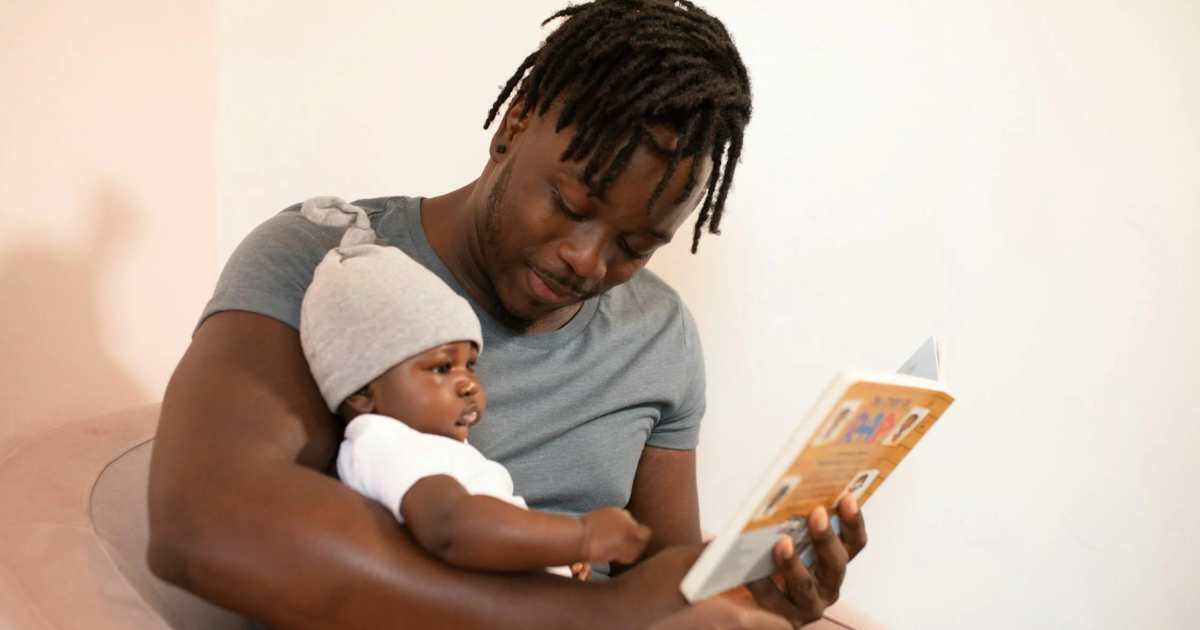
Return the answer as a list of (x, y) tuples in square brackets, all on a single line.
[(623, 67)]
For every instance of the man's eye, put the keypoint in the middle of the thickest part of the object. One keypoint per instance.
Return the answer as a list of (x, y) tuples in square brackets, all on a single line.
[(631, 252), (565, 209)]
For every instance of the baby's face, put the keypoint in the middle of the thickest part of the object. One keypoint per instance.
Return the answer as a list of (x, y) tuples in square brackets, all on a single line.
[(433, 392)]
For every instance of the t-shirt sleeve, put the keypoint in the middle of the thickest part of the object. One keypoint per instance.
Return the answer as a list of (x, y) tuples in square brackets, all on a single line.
[(679, 426), (271, 269)]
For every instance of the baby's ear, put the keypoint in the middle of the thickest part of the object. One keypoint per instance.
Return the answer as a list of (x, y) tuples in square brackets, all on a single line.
[(359, 403)]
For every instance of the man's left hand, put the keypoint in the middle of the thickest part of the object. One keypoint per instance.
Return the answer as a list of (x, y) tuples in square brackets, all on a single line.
[(804, 594)]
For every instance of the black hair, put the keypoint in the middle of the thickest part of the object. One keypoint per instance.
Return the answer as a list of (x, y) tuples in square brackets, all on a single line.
[(622, 67)]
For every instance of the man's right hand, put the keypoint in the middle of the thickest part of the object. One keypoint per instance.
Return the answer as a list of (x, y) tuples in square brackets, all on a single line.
[(611, 534)]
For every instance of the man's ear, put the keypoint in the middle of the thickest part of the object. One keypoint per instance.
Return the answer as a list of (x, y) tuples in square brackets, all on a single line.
[(512, 125)]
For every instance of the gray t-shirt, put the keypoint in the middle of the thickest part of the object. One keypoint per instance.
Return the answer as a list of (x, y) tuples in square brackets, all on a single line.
[(569, 410)]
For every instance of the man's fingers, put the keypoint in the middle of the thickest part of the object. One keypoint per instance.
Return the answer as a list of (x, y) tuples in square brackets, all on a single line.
[(782, 552), (799, 601), (825, 578), (832, 556), (806, 594), (854, 529), (769, 597)]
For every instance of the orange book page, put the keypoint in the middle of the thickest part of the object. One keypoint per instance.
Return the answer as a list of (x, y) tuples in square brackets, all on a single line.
[(853, 450)]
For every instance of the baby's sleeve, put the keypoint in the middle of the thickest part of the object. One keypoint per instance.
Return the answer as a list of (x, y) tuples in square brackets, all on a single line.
[(381, 458)]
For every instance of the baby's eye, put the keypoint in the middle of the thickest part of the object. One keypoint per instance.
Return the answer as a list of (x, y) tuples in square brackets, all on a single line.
[(442, 368), (471, 365)]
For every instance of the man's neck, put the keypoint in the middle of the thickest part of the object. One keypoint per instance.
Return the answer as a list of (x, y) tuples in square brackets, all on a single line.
[(451, 229)]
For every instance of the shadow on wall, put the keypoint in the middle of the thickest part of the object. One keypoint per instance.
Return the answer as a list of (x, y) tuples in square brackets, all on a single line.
[(56, 365)]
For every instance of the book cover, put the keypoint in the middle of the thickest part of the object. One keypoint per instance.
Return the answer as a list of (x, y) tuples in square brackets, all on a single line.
[(862, 427)]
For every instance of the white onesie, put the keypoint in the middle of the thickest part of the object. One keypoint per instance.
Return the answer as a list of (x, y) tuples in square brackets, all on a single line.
[(382, 458)]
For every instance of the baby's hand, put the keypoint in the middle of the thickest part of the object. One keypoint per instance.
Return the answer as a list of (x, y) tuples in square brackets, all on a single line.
[(611, 534), (581, 571)]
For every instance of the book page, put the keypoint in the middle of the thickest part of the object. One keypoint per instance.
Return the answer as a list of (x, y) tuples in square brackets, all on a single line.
[(926, 362)]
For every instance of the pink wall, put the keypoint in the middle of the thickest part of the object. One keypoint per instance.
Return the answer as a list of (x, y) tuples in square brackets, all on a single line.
[(107, 211)]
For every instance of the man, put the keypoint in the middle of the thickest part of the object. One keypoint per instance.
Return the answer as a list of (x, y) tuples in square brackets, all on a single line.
[(627, 118)]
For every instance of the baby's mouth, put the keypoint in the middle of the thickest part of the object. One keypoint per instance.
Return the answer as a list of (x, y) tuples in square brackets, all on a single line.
[(469, 417)]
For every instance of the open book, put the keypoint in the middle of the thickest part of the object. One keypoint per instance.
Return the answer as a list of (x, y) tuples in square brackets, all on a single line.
[(850, 442)]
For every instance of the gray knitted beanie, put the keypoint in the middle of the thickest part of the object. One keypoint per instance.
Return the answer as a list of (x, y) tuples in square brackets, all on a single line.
[(370, 307)]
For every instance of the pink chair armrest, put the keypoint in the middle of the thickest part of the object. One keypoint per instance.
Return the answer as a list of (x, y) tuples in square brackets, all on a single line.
[(55, 572)]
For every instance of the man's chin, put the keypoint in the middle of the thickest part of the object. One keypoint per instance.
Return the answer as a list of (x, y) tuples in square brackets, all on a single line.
[(521, 308), (529, 312), (517, 311), (528, 317)]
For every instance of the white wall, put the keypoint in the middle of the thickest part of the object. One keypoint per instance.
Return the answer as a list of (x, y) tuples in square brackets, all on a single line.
[(1019, 179), (365, 98), (1024, 181), (107, 179)]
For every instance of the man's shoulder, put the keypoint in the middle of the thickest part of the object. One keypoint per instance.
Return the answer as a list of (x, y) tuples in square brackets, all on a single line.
[(292, 235), (271, 268), (381, 210), (379, 206)]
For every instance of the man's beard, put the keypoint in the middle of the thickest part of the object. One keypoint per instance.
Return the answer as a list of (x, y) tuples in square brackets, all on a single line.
[(493, 225)]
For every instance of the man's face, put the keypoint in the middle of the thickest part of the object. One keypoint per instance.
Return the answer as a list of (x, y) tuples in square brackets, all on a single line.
[(549, 246), (434, 392)]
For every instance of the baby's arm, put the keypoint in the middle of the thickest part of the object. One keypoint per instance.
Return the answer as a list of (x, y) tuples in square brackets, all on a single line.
[(483, 532)]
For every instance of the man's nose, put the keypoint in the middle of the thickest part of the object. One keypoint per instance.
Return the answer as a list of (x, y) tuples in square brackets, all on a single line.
[(585, 256)]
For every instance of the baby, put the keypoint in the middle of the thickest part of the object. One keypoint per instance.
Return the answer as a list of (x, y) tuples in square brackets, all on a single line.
[(393, 349)]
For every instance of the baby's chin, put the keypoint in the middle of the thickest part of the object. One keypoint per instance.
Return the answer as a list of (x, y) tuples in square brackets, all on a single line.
[(458, 432)]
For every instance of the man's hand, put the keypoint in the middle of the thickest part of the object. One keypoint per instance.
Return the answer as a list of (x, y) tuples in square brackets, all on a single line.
[(804, 595), (611, 534)]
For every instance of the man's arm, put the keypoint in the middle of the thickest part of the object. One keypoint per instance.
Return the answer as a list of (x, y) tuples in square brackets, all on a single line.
[(664, 497), (241, 514)]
